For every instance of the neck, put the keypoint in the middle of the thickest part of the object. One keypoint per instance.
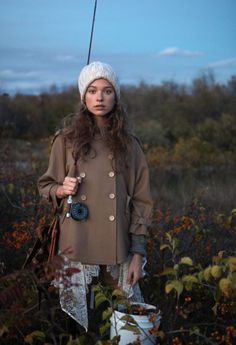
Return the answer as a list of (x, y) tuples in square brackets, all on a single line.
[(100, 121)]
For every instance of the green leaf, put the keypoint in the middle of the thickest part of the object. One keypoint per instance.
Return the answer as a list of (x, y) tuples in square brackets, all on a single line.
[(214, 309), (168, 271), (188, 281), (29, 339), (216, 271), (104, 328), (129, 319), (99, 299), (164, 246), (169, 287), (200, 276), (122, 302), (106, 313), (207, 273), (174, 243), (97, 288), (225, 286), (174, 284), (233, 280), (131, 328), (117, 292), (189, 278), (168, 236), (232, 263), (178, 286), (186, 261)]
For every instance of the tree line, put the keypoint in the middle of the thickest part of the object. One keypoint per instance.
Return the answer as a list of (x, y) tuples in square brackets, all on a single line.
[(161, 115)]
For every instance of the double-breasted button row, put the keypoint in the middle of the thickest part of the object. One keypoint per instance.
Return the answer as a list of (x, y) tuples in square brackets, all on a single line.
[(110, 174)]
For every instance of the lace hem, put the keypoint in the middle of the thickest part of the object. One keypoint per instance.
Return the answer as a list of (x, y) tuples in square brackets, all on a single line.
[(73, 288)]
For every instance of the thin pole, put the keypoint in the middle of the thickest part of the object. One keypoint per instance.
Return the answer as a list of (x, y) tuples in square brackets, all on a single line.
[(91, 36)]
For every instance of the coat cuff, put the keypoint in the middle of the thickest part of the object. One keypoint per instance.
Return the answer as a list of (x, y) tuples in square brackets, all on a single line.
[(138, 244), (138, 229), (139, 225)]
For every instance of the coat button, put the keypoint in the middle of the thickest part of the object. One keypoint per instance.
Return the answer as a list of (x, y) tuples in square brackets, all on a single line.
[(112, 196), (111, 174), (83, 197), (82, 174), (110, 156), (111, 218)]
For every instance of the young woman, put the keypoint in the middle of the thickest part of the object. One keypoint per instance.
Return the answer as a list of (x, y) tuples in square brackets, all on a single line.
[(97, 161)]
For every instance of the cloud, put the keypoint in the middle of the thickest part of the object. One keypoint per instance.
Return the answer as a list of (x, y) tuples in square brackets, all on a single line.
[(64, 58), (10, 74), (175, 51), (222, 63), (23, 85)]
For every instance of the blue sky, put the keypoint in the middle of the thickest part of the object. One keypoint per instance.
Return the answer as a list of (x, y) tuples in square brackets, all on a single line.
[(45, 42)]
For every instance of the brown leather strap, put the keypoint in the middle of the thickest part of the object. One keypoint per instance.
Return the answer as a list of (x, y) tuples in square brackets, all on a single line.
[(53, 235)]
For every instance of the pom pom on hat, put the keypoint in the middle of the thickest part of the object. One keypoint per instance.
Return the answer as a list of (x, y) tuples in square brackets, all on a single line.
[(97, 70)]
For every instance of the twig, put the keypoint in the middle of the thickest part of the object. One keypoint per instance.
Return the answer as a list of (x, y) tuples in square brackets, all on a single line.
[(34, 307), (10, 202), (208, 341)]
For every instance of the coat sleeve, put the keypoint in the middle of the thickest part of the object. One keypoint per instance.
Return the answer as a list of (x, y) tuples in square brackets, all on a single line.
[(55, 174), (141, 200)]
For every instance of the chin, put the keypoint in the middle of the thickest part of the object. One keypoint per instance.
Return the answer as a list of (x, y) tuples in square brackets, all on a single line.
[(100, 113)]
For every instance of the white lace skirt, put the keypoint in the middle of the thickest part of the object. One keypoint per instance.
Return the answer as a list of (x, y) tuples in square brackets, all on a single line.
[(73, 282)]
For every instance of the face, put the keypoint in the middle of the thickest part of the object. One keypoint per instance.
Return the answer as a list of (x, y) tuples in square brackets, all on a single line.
[(100, 97)]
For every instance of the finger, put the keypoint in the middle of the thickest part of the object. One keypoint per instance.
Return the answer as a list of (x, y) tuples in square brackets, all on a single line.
[(135, 280), (129, 277), (70, 184), (70, 179), (68, 187)]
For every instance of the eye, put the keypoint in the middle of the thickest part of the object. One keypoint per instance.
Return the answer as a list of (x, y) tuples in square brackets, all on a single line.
[(108, 91), (92, 91)]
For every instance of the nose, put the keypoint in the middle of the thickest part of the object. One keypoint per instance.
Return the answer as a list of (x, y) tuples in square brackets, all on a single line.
[(99, 96)]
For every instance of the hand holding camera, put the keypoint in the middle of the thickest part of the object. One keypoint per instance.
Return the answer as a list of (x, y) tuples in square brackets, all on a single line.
[(69, 187), (78, 211)]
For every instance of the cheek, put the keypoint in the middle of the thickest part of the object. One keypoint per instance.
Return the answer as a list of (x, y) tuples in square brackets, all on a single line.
[(112, 101), (88, 100)]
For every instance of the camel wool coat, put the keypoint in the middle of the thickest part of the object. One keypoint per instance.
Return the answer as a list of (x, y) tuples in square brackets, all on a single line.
[(118, 199)]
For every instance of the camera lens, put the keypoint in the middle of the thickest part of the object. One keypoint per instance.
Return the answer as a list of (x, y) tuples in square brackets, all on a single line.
[(79, 211)]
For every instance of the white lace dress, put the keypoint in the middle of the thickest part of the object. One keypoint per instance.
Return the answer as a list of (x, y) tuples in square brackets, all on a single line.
[(73, 282)]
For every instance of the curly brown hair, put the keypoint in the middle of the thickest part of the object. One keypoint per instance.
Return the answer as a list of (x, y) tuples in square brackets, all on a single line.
[(79, 130)]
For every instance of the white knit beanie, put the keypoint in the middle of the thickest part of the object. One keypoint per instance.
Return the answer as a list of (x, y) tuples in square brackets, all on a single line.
[(97, 70)]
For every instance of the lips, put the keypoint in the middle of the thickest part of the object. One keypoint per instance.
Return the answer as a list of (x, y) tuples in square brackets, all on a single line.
[(99, 107)]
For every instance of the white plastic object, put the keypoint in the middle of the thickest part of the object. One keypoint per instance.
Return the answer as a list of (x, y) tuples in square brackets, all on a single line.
[(143, 322)]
